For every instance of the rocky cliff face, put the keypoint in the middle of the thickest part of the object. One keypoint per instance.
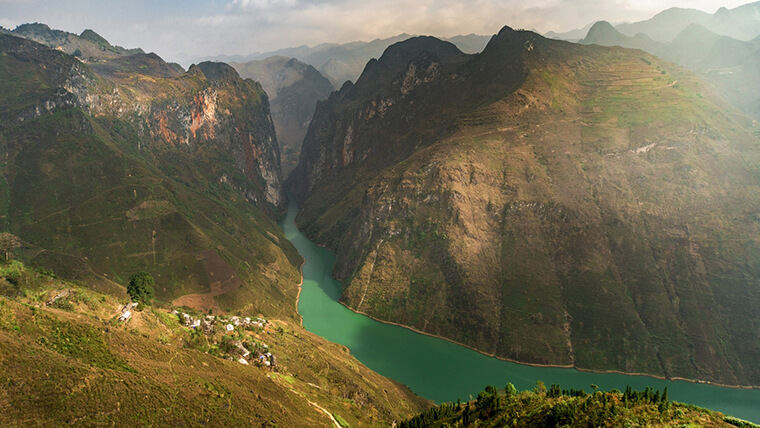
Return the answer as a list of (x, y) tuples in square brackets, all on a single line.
[(294, 88), (131, 164), (546, 202)]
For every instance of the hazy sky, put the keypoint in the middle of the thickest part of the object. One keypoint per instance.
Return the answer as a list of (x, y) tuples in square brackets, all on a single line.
[(182, 29)]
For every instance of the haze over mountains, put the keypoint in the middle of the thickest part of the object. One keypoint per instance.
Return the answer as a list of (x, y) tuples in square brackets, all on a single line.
[(294, 89), (341, 62), (730, 65), (742, 23)]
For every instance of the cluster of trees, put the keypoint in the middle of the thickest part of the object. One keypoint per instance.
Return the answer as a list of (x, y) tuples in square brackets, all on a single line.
[(542, 407), (140, 287)]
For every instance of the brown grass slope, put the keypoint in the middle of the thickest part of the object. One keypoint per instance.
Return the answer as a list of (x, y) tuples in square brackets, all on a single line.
[(79, 365), (545, 202)]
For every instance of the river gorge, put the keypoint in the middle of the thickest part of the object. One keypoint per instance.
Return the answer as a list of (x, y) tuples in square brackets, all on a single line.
[(444, 371)]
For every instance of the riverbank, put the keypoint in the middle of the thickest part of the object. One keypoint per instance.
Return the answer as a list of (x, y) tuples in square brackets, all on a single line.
[(556, 366), (444, 370)]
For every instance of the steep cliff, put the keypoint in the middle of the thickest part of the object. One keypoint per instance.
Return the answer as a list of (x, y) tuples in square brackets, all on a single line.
[(545, 202), (294, 88), (131, 164)]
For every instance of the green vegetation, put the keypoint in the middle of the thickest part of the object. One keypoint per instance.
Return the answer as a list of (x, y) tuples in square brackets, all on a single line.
[(570, 408), (140, 287), (341, 421)]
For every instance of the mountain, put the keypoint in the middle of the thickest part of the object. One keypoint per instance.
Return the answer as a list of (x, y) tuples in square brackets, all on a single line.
[(294, 88), (742, 23), (68, 357), (570, 408), (728, 64), (667, 24), (571, 36), (89, 45), (545, 202), (603, 33), (342, 62), (130, 164)]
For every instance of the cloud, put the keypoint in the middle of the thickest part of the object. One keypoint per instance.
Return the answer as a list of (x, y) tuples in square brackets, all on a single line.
[(256, 5), (194, 28)]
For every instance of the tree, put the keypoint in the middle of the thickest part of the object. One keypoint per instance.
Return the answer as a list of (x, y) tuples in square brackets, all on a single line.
[(510, 390), (140, 287), (77, 53), (8, 242)]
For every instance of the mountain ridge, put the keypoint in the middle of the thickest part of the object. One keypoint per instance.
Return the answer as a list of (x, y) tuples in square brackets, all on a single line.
[(184, 168), (725, 62), (474, 218)]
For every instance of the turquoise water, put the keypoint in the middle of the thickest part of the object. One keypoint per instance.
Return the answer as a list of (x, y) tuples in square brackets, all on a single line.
[(442, 371)]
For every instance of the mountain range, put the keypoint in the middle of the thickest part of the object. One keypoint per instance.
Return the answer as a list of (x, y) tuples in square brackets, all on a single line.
[(545, 202), (88, 45), (129, 164), (741, 23), (591, 205), (730, 65), (340, 62)]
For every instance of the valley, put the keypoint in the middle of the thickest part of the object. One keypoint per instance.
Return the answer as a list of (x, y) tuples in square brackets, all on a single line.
[(418, 360), (369, 233)]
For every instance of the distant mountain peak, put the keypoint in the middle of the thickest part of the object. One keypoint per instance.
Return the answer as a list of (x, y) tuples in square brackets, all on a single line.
[(94, 37), (506, 29), (406, 50), (603, 33), (32, 26), (696, 33)]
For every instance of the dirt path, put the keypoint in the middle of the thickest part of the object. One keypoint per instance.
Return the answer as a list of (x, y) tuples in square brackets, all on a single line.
[(313, 404)]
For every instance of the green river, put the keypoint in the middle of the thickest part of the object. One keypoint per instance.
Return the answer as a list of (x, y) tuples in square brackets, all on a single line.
[(442, 371)]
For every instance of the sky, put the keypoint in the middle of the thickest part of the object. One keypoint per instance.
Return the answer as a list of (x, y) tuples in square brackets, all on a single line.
[(183, 30)]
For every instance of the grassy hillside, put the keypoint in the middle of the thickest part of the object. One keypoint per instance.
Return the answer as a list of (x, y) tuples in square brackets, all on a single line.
[(65, 358), (131, 165), (570, 408), (545, 202), (726, 63)]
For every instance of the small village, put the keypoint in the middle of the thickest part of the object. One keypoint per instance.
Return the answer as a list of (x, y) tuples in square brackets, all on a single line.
[(233, 338)]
